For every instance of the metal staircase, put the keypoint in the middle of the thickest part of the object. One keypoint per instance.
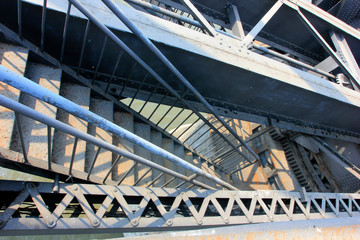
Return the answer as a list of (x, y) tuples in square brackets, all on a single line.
[(130, 121), (96, 160), (295, 165)]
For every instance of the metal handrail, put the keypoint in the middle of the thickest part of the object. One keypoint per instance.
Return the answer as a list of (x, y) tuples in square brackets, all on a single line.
[(37, 91), (56, 124), (118, 12), (141, 62)]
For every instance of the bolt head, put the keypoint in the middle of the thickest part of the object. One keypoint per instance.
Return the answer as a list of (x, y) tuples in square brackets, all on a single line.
[(134, 222), (169, 222), (51, 223), (96, 223)]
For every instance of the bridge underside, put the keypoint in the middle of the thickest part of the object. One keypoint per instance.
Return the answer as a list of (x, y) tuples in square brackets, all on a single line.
[(177, 114), (221, 69)]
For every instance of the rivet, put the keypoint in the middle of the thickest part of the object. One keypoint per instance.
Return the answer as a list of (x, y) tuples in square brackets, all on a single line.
[(51, 223), (75, 188), (114, 190), (134, 222)]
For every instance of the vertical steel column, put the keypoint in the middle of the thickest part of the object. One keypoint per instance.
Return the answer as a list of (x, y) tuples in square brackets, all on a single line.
[(235, 21)]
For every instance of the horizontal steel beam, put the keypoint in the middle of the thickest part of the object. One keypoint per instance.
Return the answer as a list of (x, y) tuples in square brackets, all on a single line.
[(324, 229), (136, 209), (166, 12)]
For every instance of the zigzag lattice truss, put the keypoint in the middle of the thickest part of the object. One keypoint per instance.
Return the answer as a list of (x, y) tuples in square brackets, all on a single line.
[(29, 206)]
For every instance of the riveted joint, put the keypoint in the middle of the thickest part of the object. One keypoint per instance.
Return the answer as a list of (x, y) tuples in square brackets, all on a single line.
[(2, 223), (30, 186), (169, 222), (51, 223), (95, 223), (134, 222)]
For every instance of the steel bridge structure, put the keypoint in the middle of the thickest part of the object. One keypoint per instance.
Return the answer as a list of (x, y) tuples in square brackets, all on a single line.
[(137, 115)]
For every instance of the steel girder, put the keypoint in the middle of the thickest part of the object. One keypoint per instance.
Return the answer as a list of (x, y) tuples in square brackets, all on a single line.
[(319, 229), (231, 45), (27, 206)]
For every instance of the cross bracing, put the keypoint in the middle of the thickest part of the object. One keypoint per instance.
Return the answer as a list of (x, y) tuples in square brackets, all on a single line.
[(80, 207), (166, 87)]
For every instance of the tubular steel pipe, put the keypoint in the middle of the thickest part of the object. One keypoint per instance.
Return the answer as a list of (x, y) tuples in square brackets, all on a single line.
[(289, 59), (121, 44), (31, 113), (33, 89), (165, 12), (118, 12)]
